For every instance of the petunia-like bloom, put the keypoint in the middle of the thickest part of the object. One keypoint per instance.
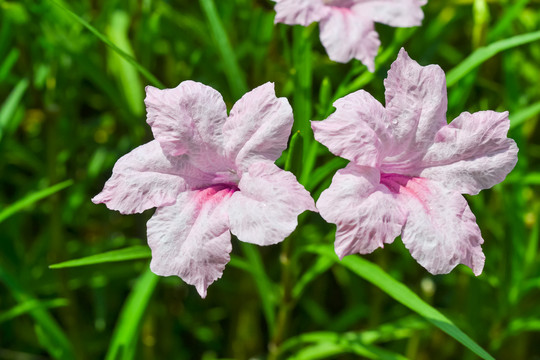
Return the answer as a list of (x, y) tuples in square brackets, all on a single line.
[(347, 27), (208, 173), (408, 169)]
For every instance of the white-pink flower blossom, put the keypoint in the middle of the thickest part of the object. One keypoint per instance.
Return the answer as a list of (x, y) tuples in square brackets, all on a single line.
[(408, 169), (208, 174), (347, 27)]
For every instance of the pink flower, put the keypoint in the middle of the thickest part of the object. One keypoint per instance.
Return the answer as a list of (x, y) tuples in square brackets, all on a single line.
[(207, 174), (409, 168), (348, 26)]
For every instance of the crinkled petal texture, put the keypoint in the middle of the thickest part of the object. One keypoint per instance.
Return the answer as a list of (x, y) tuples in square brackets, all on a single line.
[(397, 13), (147, 178), (356, 130), (409, 168), (416, 104), (301, 12), (266, 208), (189, 120), (366, 213), (191, 238), (472, 153), (441, 231), (347, 34), (258, 127)]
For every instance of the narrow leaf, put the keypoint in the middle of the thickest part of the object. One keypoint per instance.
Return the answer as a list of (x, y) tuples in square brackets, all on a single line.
[(484, 53), (130, 253), (378, 277), (147, 74), (232, 70), (30, 305), (57, 343), (32, 198), (123, 344), (7, 111)]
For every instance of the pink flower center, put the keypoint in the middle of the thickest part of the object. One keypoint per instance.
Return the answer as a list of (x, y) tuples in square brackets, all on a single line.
[(216, 193), (412, 186)]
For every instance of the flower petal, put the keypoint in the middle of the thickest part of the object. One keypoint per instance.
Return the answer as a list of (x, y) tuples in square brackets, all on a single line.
[(265, 209), (472, 152), (397, 13), (146, 178), (258, 127), (299, 12), (191, 238), (416, 105), (355, 130), (187, 119), (441, 231), (346, 35), (365, 212)]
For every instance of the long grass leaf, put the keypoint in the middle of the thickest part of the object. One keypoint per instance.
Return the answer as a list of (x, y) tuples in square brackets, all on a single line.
[(234, 74), (484, 53), (30, 305), (57, 343), (7, 111), (378, 277), (147, 74), (522, 116), (123, 344), (265, 286), (130, 253), (32, 198)]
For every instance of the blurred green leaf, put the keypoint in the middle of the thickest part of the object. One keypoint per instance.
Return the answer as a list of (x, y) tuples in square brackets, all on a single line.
[(131, 253), (52, 336), (126, 74), (401, 293), (7, 111), (484, 53), (147, 74), (30, 305), (234, 74), (32, 198), (124, 340), (295, 157), (522, 116)]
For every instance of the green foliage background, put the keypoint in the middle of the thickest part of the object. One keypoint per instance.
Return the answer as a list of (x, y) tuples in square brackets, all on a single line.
[(71, 106)]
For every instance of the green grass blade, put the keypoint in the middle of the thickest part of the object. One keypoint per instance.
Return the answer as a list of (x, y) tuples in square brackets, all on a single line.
[(522, 116), (484, 53), (57, 343), (123, 344), (265, 286), (378, 277), (130, 253), (295, 155), (234, 74), (7, 111), (32, 198), (30, 305), (126, 75), (147, 74)]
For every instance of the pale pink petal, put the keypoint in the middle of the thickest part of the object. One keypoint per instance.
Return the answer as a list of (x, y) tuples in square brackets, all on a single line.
[(258, 127), (347, 35), (299, 12), (266, 208), (416, 105), (472, 153), (397, 13), (441, 231), (146, 178), (191, 238), (355, 130), (365, 212), (187, 119)]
